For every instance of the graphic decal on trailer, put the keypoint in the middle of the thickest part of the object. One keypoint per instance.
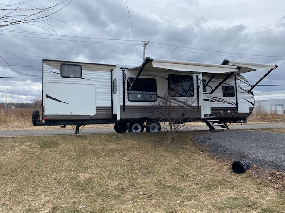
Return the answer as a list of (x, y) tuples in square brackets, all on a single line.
[(55, 99)]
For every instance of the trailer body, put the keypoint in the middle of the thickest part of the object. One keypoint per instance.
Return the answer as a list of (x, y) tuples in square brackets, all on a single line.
[(134, 98)]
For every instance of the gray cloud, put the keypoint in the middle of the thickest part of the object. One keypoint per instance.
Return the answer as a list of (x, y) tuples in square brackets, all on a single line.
[(100, 31)]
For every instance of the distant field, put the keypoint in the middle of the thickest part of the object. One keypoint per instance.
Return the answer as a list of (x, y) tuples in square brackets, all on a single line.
[(266, 117), (125, 173), (21, 119), (15, 118)]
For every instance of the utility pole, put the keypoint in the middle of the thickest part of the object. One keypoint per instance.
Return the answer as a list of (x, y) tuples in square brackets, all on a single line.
[(144, 48)]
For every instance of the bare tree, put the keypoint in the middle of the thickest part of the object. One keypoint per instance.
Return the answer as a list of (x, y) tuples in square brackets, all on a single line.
[(20, 13), (175, 113), (36, 103)]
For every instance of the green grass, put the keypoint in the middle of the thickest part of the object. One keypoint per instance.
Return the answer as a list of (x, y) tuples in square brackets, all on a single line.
[(124, 173)]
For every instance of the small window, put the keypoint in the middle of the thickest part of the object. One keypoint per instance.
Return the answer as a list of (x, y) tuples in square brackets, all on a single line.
[(180, 85), (143, 90), (228, 91), (115, 86), (70, 71)]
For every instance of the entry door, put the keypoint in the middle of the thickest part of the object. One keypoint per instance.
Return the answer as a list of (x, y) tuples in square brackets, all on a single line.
[(206, 105), (206, 101)]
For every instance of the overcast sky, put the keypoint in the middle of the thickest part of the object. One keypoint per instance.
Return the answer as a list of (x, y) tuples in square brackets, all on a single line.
[(112, 31)]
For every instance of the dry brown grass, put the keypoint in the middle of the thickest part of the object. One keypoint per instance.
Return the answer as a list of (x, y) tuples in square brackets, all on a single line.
[(266, 117), (21, 119), (124, 173), (15, 118)]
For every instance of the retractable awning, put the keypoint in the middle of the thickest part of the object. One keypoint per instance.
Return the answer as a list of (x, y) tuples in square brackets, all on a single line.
[(193, 67), (253, 66), (230, 67)]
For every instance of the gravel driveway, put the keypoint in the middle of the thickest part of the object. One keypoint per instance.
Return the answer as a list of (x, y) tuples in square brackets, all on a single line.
[(264, 149)]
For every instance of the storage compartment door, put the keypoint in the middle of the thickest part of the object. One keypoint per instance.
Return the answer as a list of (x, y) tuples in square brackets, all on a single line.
[(69, 99), (243, 107)]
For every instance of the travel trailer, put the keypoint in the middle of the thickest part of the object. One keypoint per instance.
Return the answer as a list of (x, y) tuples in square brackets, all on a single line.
[(141, 97)]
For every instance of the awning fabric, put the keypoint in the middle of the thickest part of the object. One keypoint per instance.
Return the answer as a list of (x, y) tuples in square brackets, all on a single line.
[(232, 67)]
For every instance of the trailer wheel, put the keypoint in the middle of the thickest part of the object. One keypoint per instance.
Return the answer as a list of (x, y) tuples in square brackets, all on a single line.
[(35, 117), (136, 126), (153, 127), (120, 127)]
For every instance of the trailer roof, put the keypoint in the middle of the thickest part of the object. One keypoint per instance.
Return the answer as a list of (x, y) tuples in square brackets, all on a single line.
[(229, 67), (85, 66)]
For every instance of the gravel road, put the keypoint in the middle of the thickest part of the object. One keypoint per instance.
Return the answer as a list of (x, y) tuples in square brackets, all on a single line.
[(264, 149)]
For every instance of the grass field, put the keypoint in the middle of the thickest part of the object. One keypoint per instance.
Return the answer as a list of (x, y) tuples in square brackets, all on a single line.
[(266, 117), (125, 173)]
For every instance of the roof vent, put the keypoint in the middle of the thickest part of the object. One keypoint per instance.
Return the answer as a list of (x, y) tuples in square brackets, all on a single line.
[(226, 62)]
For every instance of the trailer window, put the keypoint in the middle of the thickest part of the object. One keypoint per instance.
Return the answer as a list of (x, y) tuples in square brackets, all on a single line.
[(143, 90), (115, 86), (180, 85), (228, 91), (70, 71)]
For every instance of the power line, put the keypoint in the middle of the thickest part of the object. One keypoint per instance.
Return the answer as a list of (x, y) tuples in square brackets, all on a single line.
[(266, 85), (23, 55), (68, 36), (38, 14), (12, 5), (84, 40), (210, 52), (215, 51), (160, 45), (18, 78), (132, 27), (16, 70), (10, 65)]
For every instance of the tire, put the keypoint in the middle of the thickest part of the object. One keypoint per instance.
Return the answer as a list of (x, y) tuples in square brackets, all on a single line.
[(120, 127), (36, 117), (153, 127), (136, 126)]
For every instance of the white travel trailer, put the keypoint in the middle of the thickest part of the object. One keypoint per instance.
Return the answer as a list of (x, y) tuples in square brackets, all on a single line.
[(134, 98)]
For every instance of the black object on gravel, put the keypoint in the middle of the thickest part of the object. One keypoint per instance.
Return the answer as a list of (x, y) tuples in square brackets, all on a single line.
[(240, 166), (264, 149)]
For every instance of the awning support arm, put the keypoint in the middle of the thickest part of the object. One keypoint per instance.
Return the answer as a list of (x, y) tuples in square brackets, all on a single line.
[(226, 78), (262, 78), (210, 79), (146, 61)]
